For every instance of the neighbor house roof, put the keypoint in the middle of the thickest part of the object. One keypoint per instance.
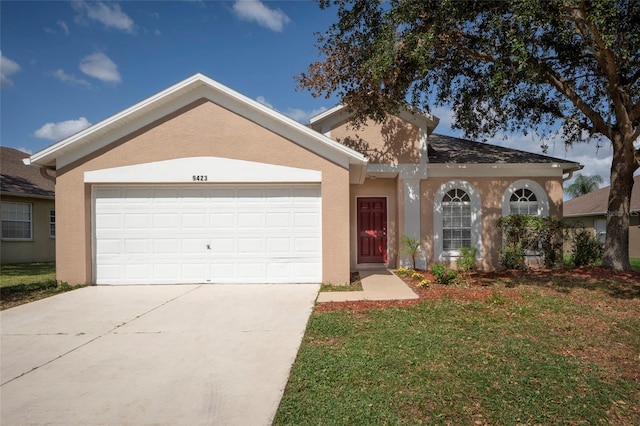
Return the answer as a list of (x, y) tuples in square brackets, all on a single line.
[(443, 149), (20, 180), (596, 202), (177, 96)]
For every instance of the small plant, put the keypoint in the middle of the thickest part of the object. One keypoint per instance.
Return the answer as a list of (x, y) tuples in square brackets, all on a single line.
[(411, 246), (424, 283), (417, 276), (443, 274), (403, 272), (467, 260)]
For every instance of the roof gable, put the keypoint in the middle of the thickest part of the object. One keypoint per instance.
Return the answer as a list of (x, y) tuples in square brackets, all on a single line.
[(180, 95), (21, 180)]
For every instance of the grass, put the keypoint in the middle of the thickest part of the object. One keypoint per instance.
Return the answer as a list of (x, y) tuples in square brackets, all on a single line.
[(635, 263), (354, 285), (558, 351), (26, 282)]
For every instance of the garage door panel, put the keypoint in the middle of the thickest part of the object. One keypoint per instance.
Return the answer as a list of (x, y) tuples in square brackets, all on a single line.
[(207, 233)]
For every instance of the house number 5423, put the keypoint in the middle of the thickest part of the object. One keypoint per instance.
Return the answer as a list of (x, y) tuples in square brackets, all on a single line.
[(199, 178)]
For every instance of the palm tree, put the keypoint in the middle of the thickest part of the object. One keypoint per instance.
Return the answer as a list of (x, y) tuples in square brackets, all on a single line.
[(583, 185)]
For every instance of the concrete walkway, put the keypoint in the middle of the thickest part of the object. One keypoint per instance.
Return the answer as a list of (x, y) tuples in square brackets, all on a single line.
[(377, 285)]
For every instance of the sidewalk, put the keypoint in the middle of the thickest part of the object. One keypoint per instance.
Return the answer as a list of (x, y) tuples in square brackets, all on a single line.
[(377, 285)]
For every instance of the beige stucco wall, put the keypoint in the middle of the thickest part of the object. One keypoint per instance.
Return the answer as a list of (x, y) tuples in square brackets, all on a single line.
[(375, 188), (41, 248), (393, 142), (491, 191), (202, 129)]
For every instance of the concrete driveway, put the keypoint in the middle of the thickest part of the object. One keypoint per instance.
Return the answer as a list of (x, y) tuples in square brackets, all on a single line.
[(174, 355)]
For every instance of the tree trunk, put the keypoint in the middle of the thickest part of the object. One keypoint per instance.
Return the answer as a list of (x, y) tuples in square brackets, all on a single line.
[(616, 246)]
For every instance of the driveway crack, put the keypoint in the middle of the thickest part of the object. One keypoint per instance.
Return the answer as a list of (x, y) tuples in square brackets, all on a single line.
[(99, 336)]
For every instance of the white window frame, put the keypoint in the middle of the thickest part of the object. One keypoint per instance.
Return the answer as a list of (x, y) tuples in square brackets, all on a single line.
[(52, 223), (600, 230), (30, 221), (535, 187), (439, 253)]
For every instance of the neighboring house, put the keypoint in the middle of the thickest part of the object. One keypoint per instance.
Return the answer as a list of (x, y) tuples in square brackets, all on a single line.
[(590, 211), (28, 211), (199, 183)]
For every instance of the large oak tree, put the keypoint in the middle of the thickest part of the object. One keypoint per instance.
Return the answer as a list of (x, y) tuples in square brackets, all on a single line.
[(570, 67)]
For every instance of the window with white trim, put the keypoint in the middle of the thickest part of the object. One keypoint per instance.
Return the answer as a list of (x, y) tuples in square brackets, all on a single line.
[(525, 197), (52, 223), (456, 220), (523, 201), (16, 221)]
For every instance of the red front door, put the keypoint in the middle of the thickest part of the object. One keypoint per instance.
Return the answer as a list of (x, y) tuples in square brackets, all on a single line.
[(372, 230)]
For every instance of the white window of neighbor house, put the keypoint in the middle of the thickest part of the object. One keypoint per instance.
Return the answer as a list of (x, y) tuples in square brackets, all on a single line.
[(52, 223), (16, 221), (600, 226)]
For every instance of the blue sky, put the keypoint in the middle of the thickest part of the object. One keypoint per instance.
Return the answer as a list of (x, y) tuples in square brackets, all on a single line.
[(68, 64)]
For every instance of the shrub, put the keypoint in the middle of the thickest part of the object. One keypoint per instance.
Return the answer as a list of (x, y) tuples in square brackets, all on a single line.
[(443, 274), (424, 283), (586, 248), (467, 260), (523, 233)]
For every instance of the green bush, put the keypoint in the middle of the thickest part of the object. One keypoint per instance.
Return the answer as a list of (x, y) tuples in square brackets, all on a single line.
[(443, 274), (523, 233), (467, 260), (586, 248)]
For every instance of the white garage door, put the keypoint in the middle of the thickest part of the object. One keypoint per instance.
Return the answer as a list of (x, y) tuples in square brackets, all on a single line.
[(205, 233)]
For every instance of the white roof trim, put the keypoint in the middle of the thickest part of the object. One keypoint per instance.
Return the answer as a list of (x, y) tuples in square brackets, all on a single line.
[(196, 86), (421, 119)]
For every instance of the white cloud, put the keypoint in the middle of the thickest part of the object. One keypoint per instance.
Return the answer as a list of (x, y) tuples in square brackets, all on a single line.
[(255, 10), (263, 101), (302, 116), (297, 114), (110, 15), (70, 78), (64, 27), (25, 150), (7, 67), (62, 129), (100, 66)]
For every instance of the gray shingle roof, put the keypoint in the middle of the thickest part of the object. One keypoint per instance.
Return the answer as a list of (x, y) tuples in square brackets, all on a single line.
[(447, 149), (18, 179), (596, 202)]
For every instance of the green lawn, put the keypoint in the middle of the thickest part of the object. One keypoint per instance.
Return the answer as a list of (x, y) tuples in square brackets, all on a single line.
[(26, 273), (26, 282), (559, 351), (635, 263)]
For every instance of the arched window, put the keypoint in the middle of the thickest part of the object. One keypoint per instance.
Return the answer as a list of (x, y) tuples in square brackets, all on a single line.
[(456, 220), (523, 201), (526, 197)]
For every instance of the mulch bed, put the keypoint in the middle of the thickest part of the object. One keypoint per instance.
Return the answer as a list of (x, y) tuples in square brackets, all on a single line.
[(479, 286)]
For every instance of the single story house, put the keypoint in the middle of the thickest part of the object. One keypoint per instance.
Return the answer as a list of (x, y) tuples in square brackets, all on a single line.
[(590, 211), (28, 210), (199, 183)]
